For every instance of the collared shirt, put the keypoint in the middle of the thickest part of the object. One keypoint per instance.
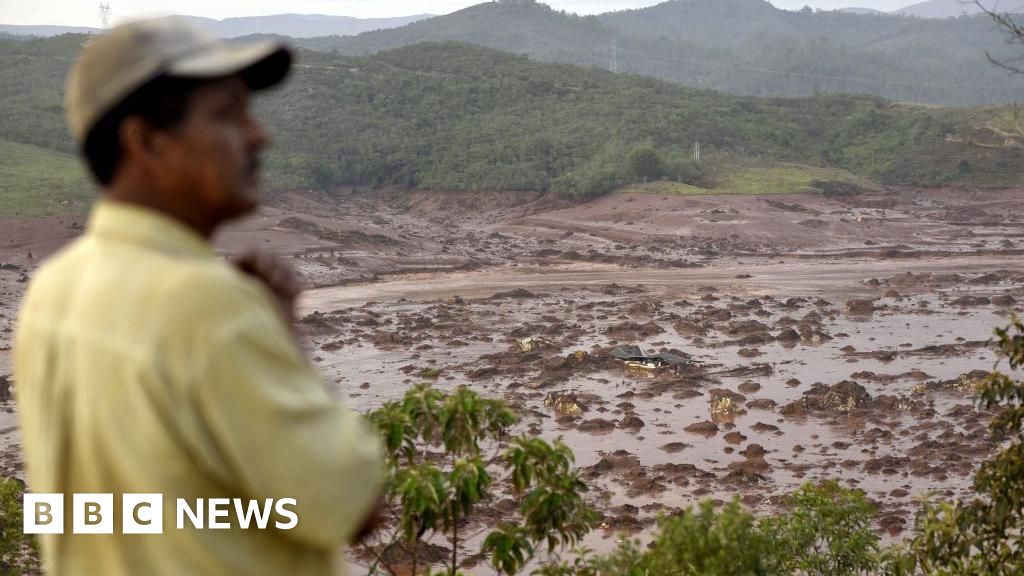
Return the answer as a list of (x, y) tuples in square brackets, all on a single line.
[(145, 364)]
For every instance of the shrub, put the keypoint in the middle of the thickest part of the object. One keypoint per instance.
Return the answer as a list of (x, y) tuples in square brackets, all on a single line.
[(435, 492)]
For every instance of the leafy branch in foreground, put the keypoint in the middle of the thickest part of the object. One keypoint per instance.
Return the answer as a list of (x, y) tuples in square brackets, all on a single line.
[(439, 474)]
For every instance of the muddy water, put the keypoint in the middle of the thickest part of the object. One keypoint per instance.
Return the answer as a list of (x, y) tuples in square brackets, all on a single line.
[(792, 276), (918, 433)]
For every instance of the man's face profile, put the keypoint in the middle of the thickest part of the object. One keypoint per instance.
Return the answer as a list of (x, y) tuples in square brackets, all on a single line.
[(213, 154)]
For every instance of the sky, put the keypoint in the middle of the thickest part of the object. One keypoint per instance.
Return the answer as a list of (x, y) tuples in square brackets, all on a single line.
[(86, 12)]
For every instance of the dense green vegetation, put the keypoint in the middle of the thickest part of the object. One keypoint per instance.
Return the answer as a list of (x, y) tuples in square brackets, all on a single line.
[(745, 47), (460, 117)]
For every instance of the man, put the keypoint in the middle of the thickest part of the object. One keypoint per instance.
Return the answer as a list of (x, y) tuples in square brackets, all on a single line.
[(145, 364)]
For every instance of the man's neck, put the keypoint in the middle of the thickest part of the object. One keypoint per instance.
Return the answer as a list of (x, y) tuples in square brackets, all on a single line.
[(186, 215)]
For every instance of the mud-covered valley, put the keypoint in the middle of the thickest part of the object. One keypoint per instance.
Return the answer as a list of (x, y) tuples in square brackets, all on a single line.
[(821, 337)]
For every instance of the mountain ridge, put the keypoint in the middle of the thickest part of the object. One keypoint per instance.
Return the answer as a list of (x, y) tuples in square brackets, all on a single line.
[(291, 25)]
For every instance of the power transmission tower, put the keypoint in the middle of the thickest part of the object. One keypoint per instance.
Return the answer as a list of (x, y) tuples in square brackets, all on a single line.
[(105, 15), (696, 152), (613, 64)]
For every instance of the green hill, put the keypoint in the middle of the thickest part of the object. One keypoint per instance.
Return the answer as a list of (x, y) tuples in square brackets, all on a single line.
[(35, 181), (744, 47), (460, 117)]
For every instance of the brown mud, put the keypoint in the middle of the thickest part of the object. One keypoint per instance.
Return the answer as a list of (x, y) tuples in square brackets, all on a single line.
[(830, 337)]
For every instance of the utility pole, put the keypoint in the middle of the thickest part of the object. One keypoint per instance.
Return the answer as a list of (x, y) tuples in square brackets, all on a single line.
[(105, 15), (613, 64)]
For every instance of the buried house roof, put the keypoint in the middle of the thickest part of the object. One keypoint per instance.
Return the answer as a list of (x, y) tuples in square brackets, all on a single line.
[(635, 354)]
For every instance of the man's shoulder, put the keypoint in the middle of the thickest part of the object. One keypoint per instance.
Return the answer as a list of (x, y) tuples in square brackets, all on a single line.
[(217, 290)]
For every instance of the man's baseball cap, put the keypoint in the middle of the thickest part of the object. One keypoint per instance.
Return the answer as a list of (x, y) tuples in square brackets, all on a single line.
[(116, 64)]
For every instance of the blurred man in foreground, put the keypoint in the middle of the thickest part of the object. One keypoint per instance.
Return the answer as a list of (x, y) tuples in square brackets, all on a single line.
[(146, 364)]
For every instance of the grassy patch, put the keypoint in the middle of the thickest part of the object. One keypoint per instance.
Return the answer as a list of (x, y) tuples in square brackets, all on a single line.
[(784, 179), (778, 179), (668, 188), (39, 182)]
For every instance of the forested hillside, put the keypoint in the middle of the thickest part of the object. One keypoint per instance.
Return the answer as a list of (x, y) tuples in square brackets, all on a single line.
[(456, 116), (744, 47)]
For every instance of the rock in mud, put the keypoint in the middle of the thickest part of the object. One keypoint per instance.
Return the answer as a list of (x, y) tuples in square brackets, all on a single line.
[(706, 428), (753, 451), (734, 437), (788, 336), (675, 447), (745, 328), (631, 422), (762, 404), (965, 301), (751, 470), (1003, 300), (840, 398), (845, 396), (517, 294), (690, 328), (597, 426), (633, 330), (860, 307), (749, 387)]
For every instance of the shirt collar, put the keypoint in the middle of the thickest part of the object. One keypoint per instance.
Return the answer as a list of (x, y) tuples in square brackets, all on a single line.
[(146, 227)]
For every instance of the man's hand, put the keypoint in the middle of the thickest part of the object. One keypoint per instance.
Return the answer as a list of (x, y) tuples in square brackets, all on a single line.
[(372, 521), (277, 275)]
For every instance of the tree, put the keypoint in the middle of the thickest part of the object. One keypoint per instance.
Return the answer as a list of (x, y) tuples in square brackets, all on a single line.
[(825, 530), (438, 474), (644, 163), (19, 552), (984, 534)]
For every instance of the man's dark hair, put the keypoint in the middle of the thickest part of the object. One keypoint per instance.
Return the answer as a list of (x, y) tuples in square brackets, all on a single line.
[(161, 102)]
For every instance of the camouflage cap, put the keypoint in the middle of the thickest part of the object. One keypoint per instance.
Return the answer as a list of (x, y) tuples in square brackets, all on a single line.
[(113, 66)]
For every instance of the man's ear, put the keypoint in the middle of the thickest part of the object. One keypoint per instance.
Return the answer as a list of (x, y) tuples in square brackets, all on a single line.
[(135, 138)]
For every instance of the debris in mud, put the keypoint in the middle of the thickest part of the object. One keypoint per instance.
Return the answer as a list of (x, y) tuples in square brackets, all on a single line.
[(565, 404), (964, 384), (634, 357), (726, 405), (531, 344), (841, 398)]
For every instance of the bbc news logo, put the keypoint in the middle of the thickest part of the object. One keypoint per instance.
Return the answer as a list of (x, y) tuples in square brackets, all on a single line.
[(144, 514)]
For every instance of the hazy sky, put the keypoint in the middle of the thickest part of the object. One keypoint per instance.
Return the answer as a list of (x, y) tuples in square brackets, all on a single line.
[(86, 13)]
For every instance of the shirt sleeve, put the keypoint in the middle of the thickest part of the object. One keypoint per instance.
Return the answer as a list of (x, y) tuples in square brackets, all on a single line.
[(283, 436)]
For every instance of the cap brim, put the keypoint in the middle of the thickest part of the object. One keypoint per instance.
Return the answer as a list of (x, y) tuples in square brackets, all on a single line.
[(262, 65)]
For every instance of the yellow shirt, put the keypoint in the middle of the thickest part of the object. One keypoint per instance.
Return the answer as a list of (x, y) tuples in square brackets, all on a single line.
[(146, 364)]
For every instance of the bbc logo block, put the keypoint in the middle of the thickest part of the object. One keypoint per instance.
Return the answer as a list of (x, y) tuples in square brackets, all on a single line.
[(144, 514), (93, 514)]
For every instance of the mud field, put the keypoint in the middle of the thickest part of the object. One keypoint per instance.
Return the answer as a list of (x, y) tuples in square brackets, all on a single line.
[(824, 337)]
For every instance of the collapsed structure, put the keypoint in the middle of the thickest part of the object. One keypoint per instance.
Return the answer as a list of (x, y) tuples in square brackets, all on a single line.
[(634, 357)]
